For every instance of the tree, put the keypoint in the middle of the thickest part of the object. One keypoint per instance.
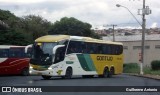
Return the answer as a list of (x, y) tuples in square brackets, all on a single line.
[(22, 31), (9, 18), (36, 26), (11, 37), (72, 26)]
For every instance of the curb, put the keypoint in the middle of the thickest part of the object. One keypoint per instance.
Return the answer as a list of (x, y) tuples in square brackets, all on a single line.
[(156, 77)]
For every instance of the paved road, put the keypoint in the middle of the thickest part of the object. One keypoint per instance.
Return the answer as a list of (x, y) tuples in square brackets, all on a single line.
[(117, 80)]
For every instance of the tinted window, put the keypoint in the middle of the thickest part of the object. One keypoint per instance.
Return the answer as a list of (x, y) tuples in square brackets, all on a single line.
[(157, 46), (4, 53), (75, 47), (94, 48), (16, 53), (29, 53), (107, 49)]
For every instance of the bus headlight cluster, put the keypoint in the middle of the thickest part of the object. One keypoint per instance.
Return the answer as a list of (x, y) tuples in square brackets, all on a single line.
[(49, 68), (30, 67)]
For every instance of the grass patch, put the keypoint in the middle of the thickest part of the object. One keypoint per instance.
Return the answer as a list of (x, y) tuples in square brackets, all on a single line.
[(131, 68), (148, 70), (134, 68)]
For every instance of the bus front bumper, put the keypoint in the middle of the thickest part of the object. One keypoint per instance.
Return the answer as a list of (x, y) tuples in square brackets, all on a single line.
[(49, 72), (45, 72)]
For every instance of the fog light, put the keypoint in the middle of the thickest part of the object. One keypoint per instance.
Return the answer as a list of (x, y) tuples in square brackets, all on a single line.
[(30, 71), (30, 67), (49, 68)]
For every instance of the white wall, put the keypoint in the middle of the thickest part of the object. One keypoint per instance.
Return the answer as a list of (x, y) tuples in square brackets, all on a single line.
[(132, 55)]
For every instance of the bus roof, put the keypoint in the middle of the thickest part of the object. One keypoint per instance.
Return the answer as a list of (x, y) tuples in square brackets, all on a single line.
[(55, 38), (89, 39), (8, 46), (51, 38)]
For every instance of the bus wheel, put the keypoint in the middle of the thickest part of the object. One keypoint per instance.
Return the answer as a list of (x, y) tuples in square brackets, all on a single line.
[(111, 72), (87, 76), (25, 72), (68, 74), (46, 77), (105, 73)]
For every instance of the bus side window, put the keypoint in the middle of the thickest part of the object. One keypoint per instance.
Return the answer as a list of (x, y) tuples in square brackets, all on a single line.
[(4, 53), (113, 49), (84, 48), (104, 49), (16, 53), (29, 53), (60, 53), (109, 49), (90, 48), (100, 49), (119, 49), (74, 47), (11, 53), (70, 47)]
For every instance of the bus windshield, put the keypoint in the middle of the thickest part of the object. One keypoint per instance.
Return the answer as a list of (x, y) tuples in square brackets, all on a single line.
[(43, 53), (48, 47)]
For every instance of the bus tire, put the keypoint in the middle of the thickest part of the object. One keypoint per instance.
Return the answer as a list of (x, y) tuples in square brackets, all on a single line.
[(100, 76), (68, 74), (25, 72), (111, 72), (106, 73), (87, 76), (46, 77)]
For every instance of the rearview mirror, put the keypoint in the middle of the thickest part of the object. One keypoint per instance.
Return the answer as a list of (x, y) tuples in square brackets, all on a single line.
[(56, 47), (26, 48)]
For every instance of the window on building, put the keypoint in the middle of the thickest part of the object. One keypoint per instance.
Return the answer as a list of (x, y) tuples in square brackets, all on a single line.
[(125, 47), (147, 47), (136, 47), (139, 47), (157, 46)]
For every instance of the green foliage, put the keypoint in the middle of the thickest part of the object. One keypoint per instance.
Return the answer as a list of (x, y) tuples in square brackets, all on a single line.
[(8, 18), (148, 70), (24, 30), (72, 26), (11, 37), (131, 68), (36, 26), (134, 68), (155, 65), (5, 15)]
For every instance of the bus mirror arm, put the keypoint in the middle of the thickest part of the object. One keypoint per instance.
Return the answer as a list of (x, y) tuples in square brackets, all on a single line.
[(56, 47), (26, 48)]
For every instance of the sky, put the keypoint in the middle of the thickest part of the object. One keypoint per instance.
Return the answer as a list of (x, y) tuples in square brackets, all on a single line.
[(98, 13)]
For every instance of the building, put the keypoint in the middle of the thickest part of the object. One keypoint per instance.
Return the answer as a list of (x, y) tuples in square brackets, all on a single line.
[(132, 48)]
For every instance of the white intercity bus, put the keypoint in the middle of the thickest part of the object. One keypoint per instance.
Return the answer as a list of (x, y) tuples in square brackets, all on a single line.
[(66, 56)]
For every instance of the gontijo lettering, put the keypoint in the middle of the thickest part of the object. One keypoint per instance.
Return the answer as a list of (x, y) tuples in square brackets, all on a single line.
[(104, 58)]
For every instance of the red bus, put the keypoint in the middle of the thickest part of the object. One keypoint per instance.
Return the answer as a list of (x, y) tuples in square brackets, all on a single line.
[(13, 60)]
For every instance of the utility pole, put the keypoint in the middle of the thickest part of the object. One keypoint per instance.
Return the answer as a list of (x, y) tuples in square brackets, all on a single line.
[(145, 11), (143, 37), (113, 30)]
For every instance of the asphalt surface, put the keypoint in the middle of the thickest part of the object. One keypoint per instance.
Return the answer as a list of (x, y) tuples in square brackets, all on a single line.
[(117, 80)]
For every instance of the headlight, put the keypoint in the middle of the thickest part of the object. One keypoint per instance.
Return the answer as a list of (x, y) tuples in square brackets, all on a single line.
[(30, 67), (49, 68)]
